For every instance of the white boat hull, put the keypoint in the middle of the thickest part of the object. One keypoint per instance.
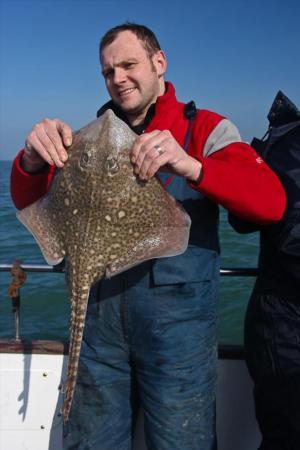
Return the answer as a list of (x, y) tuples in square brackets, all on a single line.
[(30, 402)]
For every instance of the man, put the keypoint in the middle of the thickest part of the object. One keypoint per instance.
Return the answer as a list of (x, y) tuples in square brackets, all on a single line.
[(153, 328)]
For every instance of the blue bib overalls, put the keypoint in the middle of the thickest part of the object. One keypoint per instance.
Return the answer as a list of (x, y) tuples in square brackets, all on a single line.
[(152, 330)]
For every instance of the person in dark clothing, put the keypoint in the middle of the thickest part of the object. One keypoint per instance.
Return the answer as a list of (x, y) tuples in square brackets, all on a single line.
[(272, 323)]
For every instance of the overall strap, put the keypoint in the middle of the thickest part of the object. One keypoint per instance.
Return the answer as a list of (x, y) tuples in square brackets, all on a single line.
[(189, 113)]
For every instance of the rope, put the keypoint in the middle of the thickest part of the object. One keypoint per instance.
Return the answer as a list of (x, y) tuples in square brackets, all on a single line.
[(18, 279)]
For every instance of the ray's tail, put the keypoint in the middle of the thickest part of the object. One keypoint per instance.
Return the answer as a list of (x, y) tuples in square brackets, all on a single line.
[(78, 312)]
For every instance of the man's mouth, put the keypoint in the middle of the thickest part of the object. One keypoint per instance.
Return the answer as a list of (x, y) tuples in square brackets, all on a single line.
[(126, 92)]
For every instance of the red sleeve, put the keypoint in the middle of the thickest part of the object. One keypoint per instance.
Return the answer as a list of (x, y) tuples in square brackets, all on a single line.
[(239, 180), (26, 188)]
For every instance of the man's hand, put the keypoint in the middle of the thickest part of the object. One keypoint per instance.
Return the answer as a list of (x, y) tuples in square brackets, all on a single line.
[(158, 149), (46, 144)]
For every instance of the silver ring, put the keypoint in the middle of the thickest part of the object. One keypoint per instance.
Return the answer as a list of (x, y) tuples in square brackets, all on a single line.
[(159, 149)]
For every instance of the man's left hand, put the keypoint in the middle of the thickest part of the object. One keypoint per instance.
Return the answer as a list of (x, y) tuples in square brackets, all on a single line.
[(159, 150)]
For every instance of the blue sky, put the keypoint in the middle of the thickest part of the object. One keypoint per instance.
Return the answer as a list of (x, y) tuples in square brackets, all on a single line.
[(229, 56)]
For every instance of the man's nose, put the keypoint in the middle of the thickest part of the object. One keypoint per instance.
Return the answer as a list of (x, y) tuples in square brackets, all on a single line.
[(119, 75)]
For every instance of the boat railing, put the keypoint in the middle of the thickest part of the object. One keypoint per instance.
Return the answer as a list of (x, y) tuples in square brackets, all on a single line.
[(44, 268), (228, 271)]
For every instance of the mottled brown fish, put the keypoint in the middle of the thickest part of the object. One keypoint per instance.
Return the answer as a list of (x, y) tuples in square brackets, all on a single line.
[(102, 220)]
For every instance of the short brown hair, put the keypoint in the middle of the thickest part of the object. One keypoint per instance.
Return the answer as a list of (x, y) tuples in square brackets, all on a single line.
[(143, 33)]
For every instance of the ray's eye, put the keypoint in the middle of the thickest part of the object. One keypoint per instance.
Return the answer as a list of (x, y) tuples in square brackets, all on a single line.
[(112, 165), (87, 155), (85, 158)]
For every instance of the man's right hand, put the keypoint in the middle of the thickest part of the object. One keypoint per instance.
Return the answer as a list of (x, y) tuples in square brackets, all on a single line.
[(46, 143)]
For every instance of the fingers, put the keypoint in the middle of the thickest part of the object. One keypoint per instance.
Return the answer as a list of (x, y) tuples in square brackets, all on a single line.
[(47, 141), (145, 151), (153, 150), (153, 166), (65, 131), (141, 145)]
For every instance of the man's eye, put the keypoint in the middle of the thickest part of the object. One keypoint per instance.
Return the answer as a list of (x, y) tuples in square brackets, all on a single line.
[(107, 73)]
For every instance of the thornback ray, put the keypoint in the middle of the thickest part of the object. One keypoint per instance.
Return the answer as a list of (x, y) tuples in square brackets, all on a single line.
[(103, 220)]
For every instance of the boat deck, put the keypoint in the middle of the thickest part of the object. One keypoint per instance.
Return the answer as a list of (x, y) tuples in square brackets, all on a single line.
[(31, 374)]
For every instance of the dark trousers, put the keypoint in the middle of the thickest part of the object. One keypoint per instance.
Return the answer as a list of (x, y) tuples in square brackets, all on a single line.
[(272, 345), (160, 340)]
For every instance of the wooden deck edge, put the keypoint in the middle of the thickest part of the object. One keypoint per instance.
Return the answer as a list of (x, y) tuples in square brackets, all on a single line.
[(61, 348), (34, 347)]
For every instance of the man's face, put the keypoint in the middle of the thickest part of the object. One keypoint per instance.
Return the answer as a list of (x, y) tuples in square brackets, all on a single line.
[(133, 80)]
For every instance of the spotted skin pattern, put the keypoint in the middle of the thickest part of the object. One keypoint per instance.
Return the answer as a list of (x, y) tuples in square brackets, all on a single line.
[(102, 220)]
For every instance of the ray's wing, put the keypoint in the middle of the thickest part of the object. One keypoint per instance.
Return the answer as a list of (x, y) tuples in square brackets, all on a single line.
[(161, 243), (41, 223), (150, 224)]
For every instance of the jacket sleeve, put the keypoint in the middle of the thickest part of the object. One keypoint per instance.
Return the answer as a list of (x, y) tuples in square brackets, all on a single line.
[(27, 188), (235, 176)]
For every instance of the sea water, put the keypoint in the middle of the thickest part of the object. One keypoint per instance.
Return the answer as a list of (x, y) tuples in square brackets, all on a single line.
[(44, 312)]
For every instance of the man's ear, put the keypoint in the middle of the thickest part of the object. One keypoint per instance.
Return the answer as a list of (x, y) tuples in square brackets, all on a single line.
[(160, 62)]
